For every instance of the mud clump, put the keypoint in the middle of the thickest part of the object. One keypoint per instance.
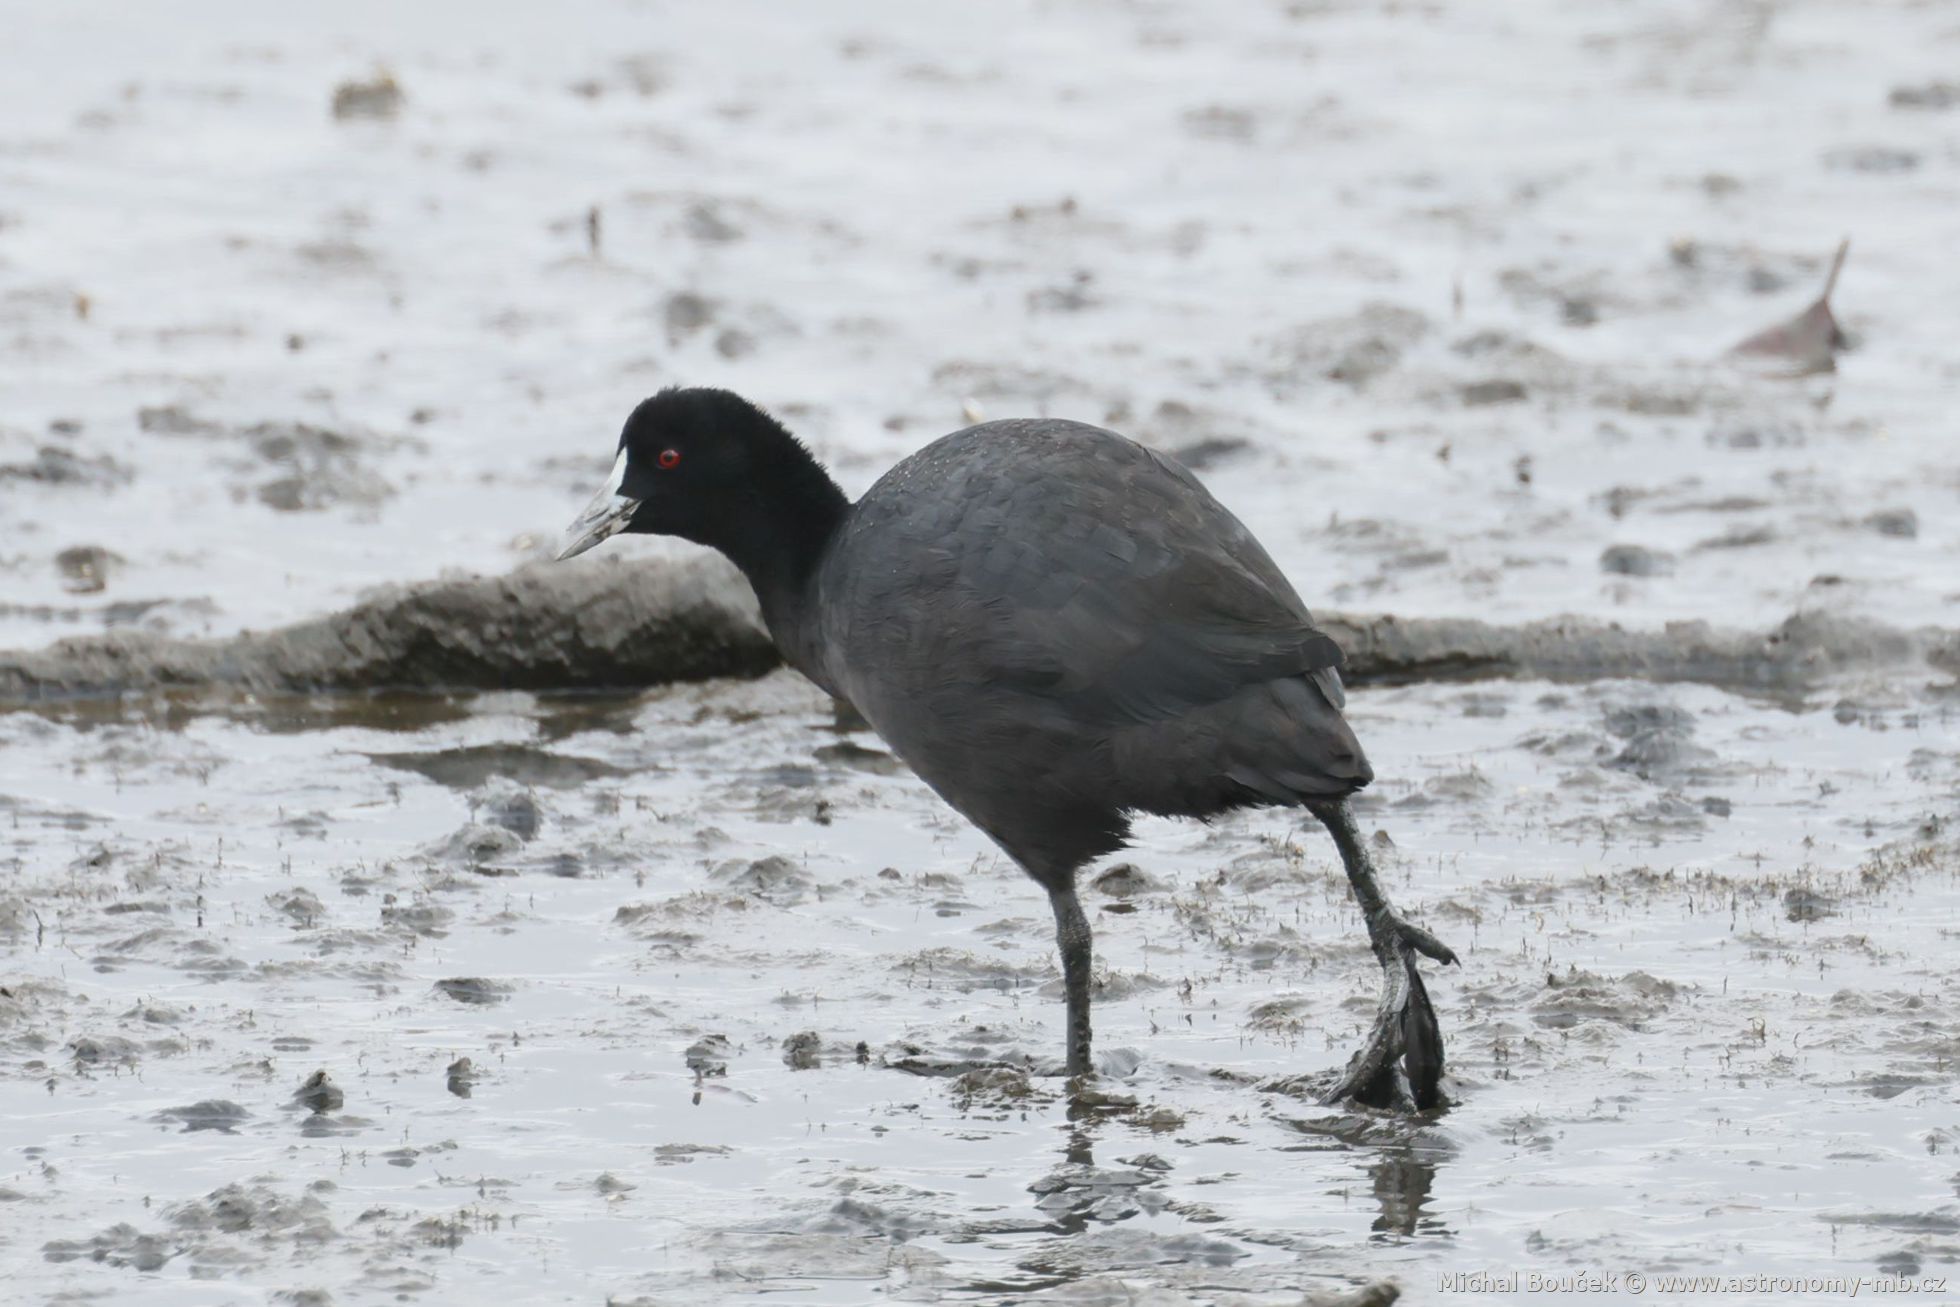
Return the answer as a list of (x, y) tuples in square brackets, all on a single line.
[(107, 1051), (960, 970), (319, 1094), (378, 99), (320, 468), (1898, 523), (55, 466), (1459, 789), (1574, 998), (1126, 880), (1935, 96), (707, 222), (774, 880), (121, 1244), (1353, 349), (858, 758), (1501, 390), (487, 766), (302, 906), (475, 845), (207, 1114), (803, 1051), (316, 467), (537, 628), (85, 569), (684, 313), (1871, 159), (424, 919), (1193, 436), (274, 1224), (682, 1154), (708, 1056), (1804, 906), (512, 807), (1635, 560), (994, 1086), (474, 991), (1208, 452), (1659, 741), (1096, 1193), (170, 420)]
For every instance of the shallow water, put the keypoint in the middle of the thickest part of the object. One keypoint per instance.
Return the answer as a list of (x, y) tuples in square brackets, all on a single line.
[(1701, 1022), (1437, 296)]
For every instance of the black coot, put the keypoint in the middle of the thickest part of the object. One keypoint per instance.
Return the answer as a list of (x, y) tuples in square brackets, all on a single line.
[(1055, 627)]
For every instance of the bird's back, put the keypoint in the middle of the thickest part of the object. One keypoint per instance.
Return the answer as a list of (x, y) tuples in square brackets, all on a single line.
[(1054, 625)]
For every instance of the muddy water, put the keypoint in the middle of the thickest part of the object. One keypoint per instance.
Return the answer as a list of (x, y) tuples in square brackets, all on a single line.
[(690, 998)]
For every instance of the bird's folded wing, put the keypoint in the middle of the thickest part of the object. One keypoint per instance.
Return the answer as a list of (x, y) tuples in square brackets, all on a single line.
[(1122, 648)]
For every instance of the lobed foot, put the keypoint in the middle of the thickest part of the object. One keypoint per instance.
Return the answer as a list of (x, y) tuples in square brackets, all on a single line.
[(1406, 1029)]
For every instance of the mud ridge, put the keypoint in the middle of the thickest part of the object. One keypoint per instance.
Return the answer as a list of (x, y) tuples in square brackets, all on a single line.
[(614, 627), (1798, 655), (538, 628)]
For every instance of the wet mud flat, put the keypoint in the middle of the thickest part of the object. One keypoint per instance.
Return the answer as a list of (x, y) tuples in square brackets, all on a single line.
[(312, 991), (695, 996)]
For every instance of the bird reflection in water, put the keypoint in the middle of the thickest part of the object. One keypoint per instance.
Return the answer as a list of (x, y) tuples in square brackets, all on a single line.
[(1403, 1178)]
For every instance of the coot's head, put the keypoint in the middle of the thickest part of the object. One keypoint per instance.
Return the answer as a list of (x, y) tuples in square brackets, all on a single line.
[(705, 465)]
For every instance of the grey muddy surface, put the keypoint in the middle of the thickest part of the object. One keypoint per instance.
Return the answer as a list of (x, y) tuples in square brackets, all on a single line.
[(318, 323), (690, 995)]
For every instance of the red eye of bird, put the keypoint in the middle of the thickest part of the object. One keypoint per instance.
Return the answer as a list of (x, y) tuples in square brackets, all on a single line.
[(670, 458)]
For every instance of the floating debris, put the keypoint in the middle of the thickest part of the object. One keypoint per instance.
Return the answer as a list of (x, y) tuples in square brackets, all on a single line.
[(1805, 344)]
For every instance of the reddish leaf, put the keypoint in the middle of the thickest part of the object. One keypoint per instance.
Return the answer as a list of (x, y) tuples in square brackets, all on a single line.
[(1804, 344)]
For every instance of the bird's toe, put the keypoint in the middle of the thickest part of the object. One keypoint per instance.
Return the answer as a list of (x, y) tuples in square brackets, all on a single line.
[(1425, 943)]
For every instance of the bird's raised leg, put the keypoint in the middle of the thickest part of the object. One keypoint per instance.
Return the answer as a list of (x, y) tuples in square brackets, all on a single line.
[(1405, 1021), (1072, 934)]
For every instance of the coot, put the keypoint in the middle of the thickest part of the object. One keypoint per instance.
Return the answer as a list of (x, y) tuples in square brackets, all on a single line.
[(1055, 627)]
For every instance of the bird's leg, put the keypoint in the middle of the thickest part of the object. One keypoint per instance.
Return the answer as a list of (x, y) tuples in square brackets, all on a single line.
[(1405, 1022), (1072, 934)]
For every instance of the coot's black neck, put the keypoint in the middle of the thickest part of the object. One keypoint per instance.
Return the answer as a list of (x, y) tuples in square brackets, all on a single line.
[(778, 534)]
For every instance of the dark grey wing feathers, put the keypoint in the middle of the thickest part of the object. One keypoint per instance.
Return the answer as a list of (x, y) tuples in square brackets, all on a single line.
[(1087, 570), (1135, 616)]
